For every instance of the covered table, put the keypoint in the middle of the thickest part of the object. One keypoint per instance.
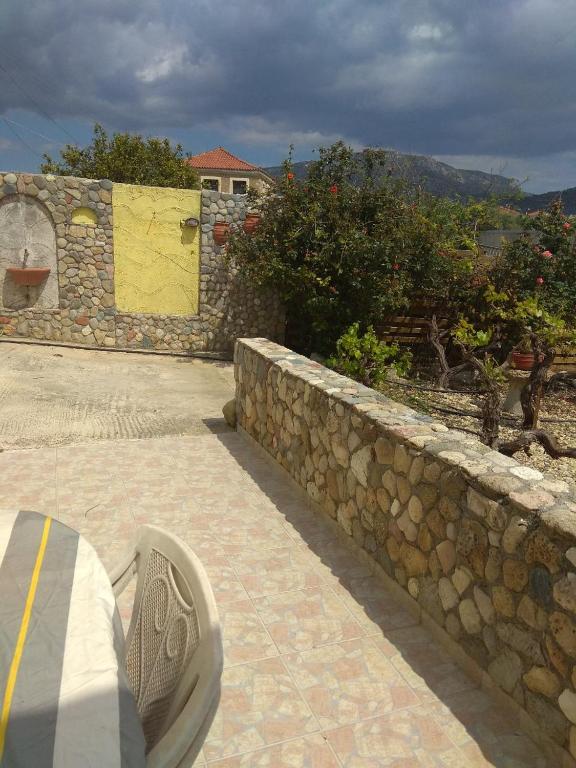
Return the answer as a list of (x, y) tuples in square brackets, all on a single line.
[(64, 697)]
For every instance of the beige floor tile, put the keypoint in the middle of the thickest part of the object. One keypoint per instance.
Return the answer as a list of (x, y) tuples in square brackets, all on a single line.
[(350, 681), (243, 634), (487, 733), (309, 752), (422, 663), (255, 535), (88, 499), (28, 480), (200, 762), (372, 606), (259, 706), (269, 572), (304, 529), (226, 585), (406, 739), (335, 562), (306, 619)]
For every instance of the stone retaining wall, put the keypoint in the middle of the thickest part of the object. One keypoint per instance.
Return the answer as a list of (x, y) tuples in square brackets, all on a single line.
[(486, 546), (84, 308)]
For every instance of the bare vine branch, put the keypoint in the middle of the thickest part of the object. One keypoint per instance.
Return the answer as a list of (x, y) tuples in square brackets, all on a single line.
[(545, 439)]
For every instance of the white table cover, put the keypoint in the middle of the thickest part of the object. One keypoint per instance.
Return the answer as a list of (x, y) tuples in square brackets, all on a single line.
[(64, 697)]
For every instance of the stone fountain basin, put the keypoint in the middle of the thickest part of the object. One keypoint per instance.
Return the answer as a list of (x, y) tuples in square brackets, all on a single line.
[(28, 275)]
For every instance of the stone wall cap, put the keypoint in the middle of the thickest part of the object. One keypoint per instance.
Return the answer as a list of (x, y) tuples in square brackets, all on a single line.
[(499, 477)]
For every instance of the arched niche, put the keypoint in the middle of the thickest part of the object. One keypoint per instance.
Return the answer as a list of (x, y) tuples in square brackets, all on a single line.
[(26, 226), (84, 216)]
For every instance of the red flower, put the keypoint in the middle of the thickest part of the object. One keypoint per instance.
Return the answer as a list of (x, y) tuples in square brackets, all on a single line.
[(395, 265), (539, 281), (289, 176), (566, 225), (334, 189), (547, 254)]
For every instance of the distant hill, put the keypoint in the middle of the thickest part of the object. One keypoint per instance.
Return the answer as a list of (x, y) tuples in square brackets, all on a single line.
[(537, 202), (437, 178)]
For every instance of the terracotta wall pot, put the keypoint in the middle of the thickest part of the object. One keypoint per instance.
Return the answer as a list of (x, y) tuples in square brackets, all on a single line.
[(221, 232), (28, 275), (523, 361), (251, 222)]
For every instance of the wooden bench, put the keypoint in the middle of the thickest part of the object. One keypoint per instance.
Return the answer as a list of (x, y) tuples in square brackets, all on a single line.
[(411, 330)]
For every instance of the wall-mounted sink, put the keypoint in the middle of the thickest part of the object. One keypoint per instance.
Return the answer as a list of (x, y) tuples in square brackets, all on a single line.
[(28, 275)]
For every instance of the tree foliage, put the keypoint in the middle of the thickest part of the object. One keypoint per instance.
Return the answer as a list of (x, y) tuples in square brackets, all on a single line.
[(126, 158), (349, 245)]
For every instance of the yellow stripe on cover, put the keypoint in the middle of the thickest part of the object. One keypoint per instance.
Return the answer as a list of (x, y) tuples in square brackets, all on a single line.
[(17, 657)]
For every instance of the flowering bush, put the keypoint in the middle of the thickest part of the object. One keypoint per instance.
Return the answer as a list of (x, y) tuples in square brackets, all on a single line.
[(547, 267), (350, 244)]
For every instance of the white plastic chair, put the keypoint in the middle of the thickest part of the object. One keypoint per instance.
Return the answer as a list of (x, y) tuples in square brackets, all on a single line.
[(173, 647)]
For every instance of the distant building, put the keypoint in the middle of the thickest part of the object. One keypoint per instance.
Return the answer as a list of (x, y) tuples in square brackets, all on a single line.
[(221, 171), (492, 241)]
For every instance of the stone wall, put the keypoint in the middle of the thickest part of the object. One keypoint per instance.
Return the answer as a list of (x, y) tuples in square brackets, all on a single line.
[(229, 306), (484, 547), (80, 306)]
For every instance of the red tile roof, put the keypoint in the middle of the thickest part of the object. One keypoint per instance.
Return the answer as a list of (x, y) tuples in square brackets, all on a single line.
[(220, 159)]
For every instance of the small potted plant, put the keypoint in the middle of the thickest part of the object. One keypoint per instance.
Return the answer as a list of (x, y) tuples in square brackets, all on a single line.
[(522, 355)]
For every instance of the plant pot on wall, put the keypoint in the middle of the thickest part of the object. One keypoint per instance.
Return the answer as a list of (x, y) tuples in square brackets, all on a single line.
[(221, 232), (28, 275), (251, 222)]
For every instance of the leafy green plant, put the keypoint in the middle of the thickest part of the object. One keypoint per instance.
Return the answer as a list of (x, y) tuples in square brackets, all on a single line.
[(524, 345), (126, 158), (473, 337), (367, 359)]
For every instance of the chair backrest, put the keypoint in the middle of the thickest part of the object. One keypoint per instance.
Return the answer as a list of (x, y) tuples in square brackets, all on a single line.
[(173, 647)]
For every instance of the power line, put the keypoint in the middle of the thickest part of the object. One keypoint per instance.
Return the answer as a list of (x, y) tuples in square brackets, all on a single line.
[(36, 104), (21, 140), (31, 130)]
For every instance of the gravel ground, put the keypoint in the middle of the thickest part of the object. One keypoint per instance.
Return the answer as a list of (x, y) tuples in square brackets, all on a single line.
[(559, 406)]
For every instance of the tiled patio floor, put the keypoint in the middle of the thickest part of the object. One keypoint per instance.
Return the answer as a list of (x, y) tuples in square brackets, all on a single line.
[(322, 667)]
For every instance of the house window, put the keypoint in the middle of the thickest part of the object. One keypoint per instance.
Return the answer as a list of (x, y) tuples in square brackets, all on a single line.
[(239, 186), (211, 182)]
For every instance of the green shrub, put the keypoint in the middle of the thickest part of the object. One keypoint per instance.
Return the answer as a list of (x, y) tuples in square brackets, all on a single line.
[(367, 359)]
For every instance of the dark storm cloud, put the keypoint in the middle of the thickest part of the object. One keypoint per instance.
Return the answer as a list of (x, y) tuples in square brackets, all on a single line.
[(434, 76)]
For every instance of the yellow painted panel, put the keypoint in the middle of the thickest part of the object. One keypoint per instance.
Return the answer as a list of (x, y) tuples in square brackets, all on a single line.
[(85, 216), (157, 261)]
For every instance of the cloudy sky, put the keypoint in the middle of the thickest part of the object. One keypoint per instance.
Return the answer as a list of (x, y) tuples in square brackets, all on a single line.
[(486, 84)]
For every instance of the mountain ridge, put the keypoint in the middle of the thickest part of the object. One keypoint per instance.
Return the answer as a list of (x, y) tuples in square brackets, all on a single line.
[(444, 180), (535, 202)]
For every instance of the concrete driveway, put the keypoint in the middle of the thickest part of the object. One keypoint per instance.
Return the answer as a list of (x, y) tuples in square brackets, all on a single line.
[(52, 396)]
